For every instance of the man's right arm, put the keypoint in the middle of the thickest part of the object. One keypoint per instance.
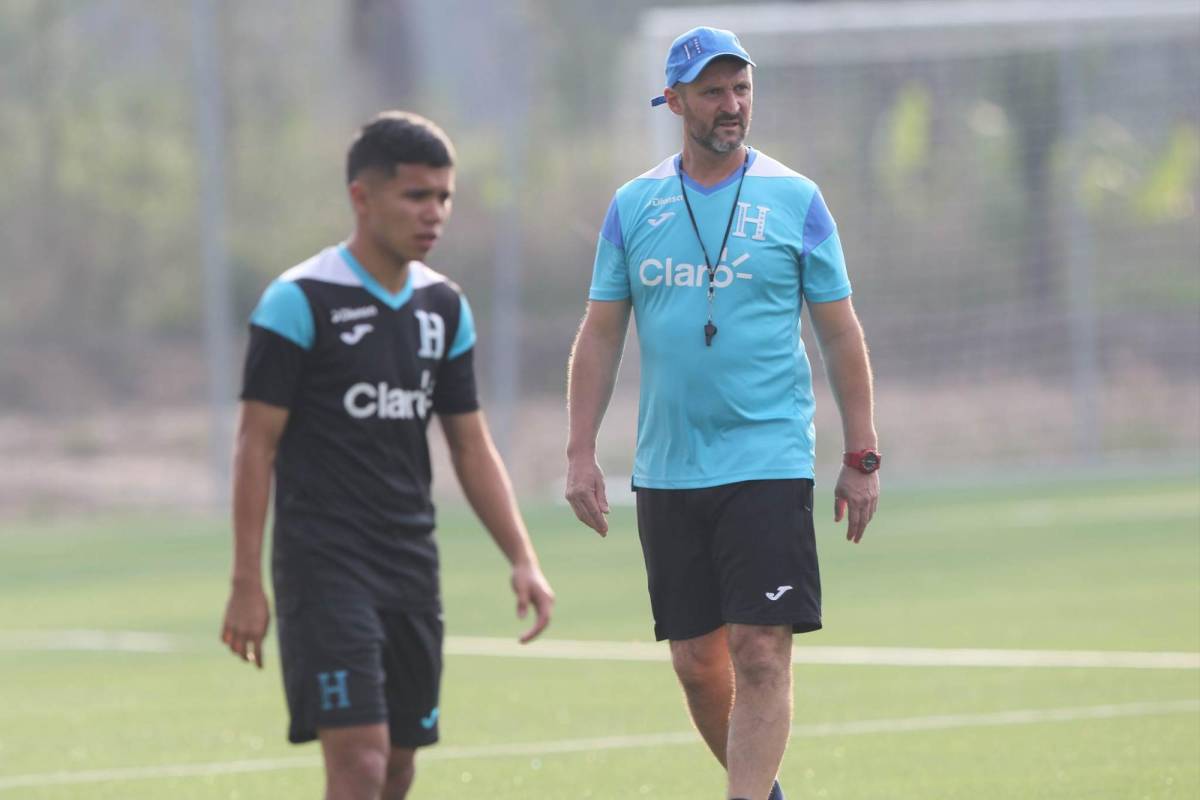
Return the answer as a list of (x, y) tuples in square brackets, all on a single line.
[(247, 614), (591, 375)]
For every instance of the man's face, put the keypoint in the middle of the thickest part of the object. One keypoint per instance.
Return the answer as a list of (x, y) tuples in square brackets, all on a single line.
[(716, 106), (404, 214)]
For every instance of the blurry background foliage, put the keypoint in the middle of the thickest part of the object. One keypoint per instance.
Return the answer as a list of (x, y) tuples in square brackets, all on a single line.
[(963, 188)]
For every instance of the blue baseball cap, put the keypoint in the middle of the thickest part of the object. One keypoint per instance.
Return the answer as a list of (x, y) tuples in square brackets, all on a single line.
[(691, 52)]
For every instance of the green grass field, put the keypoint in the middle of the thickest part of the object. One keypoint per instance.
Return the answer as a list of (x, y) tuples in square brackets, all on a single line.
[(1109, 566)]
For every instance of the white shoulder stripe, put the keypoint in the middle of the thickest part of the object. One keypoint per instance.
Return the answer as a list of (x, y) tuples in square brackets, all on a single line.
[(766, 167), (423, 276), (665, 169), (327, 266)]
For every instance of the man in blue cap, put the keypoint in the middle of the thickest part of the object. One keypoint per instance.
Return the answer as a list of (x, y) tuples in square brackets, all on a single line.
[(716, 250)]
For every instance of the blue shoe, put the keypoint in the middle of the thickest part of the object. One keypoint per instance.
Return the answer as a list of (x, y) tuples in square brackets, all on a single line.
[(776, 792)]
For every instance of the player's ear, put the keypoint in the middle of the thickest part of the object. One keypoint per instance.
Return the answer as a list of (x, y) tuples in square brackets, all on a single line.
[(674, 100), (359, 190)]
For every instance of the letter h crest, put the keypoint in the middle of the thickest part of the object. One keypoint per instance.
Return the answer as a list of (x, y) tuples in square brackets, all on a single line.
[(759, 222), (334, 692)]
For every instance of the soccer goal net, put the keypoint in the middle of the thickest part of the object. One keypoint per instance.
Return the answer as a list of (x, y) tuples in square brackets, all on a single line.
[(1016, 188)]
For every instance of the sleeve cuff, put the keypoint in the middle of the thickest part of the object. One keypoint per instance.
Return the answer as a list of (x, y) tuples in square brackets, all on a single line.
[(607, 294), (830, 295)]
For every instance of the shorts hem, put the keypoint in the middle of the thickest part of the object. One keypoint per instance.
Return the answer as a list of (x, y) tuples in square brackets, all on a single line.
[(312, 734), (413, 744), (662, 636), (803, 626)]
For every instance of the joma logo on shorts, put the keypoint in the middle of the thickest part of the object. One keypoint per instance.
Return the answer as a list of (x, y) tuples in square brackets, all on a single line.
[(778, 593), (365, 400)]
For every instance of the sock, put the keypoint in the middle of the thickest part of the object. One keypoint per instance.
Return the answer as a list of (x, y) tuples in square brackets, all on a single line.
[(776, 793)]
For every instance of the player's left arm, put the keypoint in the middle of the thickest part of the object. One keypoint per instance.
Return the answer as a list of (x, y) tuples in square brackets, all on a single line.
[(844, 350), (485, 482)]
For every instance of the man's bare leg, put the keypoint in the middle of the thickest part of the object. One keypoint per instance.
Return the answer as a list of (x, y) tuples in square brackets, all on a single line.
[(761, 720), (705, 672)]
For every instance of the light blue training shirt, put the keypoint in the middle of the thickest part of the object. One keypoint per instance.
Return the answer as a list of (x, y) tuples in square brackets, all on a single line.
[(741, 409)]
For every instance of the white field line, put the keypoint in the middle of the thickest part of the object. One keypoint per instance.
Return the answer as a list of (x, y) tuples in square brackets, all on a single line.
[(141, 642), (864, 656), (534, 749), (93, 640)]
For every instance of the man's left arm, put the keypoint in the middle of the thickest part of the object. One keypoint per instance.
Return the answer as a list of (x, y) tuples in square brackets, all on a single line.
[(844, 351), (485, 482)]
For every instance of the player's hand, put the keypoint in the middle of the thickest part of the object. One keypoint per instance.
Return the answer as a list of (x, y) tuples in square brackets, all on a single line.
[(247, 617), (858, 494), (531, 588), (585, 492)]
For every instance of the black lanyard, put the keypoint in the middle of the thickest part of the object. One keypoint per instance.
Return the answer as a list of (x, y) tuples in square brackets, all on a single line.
[(710, 330)]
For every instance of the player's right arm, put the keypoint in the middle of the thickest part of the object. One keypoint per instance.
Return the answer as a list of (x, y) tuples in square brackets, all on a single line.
[(247, 614), (591, 375), (282, 332)]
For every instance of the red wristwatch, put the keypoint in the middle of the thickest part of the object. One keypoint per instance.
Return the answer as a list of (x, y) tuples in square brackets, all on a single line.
[(865, 461)]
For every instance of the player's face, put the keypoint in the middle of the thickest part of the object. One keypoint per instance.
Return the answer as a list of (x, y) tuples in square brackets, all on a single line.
[(716, 106), (404, 214)]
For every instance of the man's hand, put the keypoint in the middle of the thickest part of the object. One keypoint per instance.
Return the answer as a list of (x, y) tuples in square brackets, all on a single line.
[(585, 492), (857, 493), (531, 588), (247, 617)]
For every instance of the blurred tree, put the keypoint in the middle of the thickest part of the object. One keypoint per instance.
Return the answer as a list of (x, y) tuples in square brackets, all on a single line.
[(1033, 101), (382, 34), (45, 91), (1168, 192)]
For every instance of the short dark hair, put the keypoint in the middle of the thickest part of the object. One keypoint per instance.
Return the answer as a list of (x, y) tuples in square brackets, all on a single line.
[(398, 137)]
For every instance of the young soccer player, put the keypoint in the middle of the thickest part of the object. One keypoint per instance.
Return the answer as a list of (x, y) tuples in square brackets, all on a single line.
[(351, 353)]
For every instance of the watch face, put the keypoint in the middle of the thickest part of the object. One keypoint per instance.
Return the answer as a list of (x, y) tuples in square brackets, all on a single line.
[(870, 462)]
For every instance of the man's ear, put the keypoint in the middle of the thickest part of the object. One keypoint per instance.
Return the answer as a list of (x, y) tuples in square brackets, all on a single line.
[(674, 100)]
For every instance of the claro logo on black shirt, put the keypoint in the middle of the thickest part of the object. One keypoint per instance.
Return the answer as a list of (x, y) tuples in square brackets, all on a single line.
[(378, 400)]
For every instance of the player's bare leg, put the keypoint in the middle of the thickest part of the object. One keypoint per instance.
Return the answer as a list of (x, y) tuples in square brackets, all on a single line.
[(356, 761), (706, 674), (401, 770), (762, 715)]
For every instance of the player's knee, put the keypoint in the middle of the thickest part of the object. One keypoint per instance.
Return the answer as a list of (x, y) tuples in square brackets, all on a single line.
[(401, 769), (365, 768)]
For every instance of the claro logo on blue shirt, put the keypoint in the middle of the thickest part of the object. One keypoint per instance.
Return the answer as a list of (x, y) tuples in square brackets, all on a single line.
[(653, 272)]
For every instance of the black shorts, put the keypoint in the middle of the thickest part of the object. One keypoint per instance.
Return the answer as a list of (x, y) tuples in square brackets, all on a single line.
[(739, 553), (351, 663)]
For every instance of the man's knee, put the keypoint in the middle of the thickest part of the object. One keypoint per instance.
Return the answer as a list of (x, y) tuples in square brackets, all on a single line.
[(701, 661), (762, 654)]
